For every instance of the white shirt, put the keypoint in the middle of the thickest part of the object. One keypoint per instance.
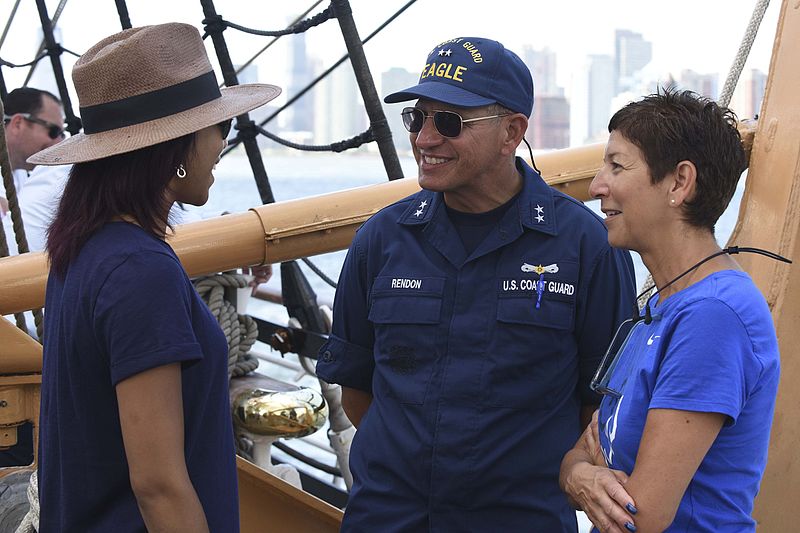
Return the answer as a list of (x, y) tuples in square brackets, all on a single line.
[(38, 201)]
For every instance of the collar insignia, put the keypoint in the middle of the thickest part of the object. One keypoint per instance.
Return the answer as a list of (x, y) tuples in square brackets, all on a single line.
[(539, 214), (418, 212)]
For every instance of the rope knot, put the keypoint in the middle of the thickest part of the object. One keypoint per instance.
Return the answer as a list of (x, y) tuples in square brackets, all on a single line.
[(214, 24), (247, 130)]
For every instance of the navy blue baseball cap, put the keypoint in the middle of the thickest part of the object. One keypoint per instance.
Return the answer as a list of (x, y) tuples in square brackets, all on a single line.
[(473, 72)]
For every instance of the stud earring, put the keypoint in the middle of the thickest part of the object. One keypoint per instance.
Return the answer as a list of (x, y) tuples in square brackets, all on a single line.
[(181, 172), (672, 200)]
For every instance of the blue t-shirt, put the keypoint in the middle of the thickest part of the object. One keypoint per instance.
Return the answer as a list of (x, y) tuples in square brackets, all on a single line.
[(710, 348), (478, 360), (126, 306)]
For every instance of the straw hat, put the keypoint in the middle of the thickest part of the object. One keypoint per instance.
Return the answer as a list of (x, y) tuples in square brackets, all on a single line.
[(144, 86)]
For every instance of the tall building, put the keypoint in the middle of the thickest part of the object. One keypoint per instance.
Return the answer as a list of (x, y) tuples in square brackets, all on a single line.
[(549, 124), (393, 80), (301, 112), (704, 84), (343, 114), (548, 127), (543, 68), (631, 54), (601, 86), (749, 93)]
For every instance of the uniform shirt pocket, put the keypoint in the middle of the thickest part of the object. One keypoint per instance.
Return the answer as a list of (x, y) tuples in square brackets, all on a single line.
[(406, 314), (527, 369)]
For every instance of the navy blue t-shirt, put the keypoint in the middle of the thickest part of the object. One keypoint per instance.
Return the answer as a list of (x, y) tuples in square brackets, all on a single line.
[(125, 306)]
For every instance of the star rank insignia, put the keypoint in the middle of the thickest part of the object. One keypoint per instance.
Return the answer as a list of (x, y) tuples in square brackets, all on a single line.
[(539, 213), (421, 208), (445, 53)]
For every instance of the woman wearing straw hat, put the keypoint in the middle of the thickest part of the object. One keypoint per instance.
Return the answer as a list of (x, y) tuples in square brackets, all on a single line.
[(135, 419)]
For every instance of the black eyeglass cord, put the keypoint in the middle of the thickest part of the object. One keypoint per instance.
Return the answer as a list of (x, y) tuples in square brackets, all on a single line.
[(731, 250), (533, 163)]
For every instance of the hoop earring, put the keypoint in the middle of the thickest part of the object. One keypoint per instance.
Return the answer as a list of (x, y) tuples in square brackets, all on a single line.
[(181, 172)]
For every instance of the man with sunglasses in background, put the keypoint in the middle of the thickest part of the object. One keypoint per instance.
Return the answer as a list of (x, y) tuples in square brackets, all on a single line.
[(470, 317), (34, 120)]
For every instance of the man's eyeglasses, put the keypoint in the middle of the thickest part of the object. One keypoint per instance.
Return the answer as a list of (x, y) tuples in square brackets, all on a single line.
[(54, 131), (448, 123), (225, 126), (602, 377)]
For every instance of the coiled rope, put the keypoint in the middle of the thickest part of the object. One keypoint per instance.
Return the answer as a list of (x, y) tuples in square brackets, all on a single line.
[(240, 330), (30, 522)]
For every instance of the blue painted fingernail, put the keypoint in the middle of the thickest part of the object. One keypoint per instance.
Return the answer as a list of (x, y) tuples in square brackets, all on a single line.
[(629, 526), (631, 509)]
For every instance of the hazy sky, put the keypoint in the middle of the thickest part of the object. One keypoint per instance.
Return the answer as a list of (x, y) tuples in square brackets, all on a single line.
[(702, 35)]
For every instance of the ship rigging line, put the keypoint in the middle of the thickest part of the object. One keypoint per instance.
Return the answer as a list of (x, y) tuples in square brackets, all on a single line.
[(744, 51), (724, 98), (8, 23), (61, 5), (217, 23), (235, 141), (266, 46)]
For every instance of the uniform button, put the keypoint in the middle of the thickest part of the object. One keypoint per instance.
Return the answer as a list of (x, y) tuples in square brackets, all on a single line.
[(327, 356), (503, 234)]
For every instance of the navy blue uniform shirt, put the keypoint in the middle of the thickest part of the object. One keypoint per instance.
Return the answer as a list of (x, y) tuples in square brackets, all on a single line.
[(478, 364)]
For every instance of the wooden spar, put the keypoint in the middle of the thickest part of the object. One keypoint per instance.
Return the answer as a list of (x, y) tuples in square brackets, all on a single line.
[(292, 229), (286, 230), (273, 233), (769, 217)]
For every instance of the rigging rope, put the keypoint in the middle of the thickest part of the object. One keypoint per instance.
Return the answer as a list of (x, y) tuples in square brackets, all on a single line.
[(8, 23), (273, 41), (725, 97), (59, 9), (217, 24), (340, 146), (16, 221), (5, 63), (30, 522), (744, 51), (319, 272), (240, 330)]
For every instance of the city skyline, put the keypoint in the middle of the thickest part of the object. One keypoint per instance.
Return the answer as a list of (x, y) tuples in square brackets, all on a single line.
[(588, 29)]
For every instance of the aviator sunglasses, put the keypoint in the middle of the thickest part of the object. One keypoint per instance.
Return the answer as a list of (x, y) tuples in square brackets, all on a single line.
[(54, 131), (447, 123)]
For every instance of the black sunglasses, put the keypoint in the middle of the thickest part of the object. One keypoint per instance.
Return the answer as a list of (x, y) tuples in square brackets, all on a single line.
[(447, 123), (54, 131), (225, 126)]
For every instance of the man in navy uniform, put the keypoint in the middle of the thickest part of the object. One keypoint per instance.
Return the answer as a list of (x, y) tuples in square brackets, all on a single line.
[(470, 317)]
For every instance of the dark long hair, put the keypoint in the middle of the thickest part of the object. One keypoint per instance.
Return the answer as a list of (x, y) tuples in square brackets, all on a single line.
[(132, 184)]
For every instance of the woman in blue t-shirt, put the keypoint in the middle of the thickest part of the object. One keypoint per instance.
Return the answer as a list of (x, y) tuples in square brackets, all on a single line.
[(135, 426), (680, 440)]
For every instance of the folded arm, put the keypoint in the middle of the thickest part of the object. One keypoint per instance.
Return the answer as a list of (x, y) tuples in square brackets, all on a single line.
[(673, 445)]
